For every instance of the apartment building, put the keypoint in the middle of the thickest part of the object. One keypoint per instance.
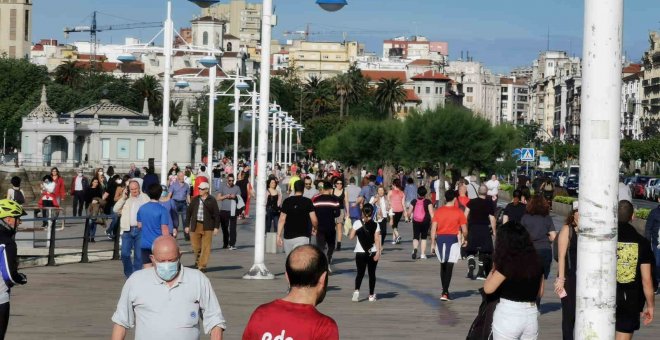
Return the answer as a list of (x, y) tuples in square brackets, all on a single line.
[(631, 102), (15, 28), (514, 100), (480, 87), (244, 20), (651, 84), (323, 59), (548, 92), (416, 47)]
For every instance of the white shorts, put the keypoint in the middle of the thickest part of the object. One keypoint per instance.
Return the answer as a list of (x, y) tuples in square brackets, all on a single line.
[(447, 248)]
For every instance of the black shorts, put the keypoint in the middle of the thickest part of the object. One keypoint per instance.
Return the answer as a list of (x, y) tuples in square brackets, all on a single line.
[(479, 239), (146, 259), (420, 229), (627, 323)]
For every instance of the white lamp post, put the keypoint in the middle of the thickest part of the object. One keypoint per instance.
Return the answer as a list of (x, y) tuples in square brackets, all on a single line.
[(599, 170), (253, 115), (258, 269), (167, 45), (211, 63)]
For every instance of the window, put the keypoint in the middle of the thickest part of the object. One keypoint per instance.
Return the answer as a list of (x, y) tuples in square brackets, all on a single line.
[(419, 89), (140, 148), (123, 148), (505, 90), (505, 105), (12, 24), (26, 26), (468, 99), (441, 91), (469, 89), (428, 90), (105, 148), (520, 106), (205, 38), (229, 47), (436, 90)]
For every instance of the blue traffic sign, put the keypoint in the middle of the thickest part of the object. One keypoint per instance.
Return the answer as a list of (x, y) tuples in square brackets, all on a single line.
[(515, 154), (527, 154)]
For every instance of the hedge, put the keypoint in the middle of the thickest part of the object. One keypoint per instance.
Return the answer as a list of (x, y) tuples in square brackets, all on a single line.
[(565, 199), (642, 213), (507, 187)]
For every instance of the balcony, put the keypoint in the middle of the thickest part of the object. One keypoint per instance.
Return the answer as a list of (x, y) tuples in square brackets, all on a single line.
[(655, 81), (655, 102), (646, 83)]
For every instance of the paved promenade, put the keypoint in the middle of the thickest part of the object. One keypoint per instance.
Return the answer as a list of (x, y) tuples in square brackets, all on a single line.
[(76, 301)]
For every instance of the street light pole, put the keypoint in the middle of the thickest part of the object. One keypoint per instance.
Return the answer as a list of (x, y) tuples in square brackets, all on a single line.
[(252, 136), (258, 269), (279, 139), (237, 104), (599, 167), (273, 136), (167, 51), (209, 152)]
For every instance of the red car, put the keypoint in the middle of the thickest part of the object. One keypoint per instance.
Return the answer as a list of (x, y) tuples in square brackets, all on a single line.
[(638, 186)]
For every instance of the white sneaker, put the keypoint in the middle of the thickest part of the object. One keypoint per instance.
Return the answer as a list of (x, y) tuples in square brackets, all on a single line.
[(393, 242), (372, 298), (356, 296), (423, 256)]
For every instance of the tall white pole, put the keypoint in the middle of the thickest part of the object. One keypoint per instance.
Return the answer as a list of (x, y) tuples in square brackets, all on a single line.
[(259, 270), (599, 168), (273, 136), (288, 161), (252, 136), (209, 143), (237, 94), (279, 139), (167, 49)]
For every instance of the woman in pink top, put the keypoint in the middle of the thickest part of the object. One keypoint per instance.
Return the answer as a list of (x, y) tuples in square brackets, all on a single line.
[(397, 202)]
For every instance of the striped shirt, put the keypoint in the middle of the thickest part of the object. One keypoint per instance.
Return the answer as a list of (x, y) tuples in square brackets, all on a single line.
[(326, 208)]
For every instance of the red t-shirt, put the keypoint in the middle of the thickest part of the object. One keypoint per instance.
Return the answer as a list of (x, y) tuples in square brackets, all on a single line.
[(287, 320), (449, 220)]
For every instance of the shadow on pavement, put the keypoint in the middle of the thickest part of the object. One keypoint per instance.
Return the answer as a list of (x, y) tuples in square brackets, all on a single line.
[(222, 268), (549, 307)]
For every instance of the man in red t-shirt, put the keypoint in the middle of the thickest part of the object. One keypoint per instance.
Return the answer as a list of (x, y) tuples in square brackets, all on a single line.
[(295, 316), (448, 222)]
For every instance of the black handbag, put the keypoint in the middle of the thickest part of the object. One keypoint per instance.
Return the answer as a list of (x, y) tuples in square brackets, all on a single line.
[(482, 326)]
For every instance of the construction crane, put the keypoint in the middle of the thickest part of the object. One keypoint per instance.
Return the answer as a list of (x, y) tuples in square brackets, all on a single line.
[(304, 35), (93, 29)]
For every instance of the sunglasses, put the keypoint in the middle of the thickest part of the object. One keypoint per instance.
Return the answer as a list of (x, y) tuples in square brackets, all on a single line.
[(203, 188)]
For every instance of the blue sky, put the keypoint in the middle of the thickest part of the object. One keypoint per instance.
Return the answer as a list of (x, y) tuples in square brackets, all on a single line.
[(502, 34)]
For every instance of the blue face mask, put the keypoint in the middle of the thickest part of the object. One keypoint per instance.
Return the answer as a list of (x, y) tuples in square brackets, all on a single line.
[(167, 270)]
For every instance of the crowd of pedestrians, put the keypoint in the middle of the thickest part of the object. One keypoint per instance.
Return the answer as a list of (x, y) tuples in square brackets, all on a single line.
[(309, 207)]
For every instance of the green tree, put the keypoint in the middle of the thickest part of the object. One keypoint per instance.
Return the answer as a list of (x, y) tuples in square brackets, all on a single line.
[(319, 96), (359, 87), (318, 128), (343, 88), (389, 93), (149, 87), (68, 74)]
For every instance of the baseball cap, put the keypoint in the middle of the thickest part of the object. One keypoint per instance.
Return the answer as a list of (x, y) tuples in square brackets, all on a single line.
[(204, 185)]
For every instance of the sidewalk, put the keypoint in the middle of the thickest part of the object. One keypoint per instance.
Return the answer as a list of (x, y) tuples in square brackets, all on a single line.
[(76, 301)]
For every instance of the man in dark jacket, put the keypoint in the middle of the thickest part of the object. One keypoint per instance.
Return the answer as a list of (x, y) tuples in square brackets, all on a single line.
[(202, 222), (652, 232), (10, 214)]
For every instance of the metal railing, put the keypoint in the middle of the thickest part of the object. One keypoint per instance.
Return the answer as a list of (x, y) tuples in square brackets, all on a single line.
[(51, 217)]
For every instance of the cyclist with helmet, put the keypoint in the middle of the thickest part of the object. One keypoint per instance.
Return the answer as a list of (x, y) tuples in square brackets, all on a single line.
[(10, 215)]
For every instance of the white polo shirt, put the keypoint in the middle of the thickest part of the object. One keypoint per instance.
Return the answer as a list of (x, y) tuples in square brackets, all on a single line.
[(161, 312)]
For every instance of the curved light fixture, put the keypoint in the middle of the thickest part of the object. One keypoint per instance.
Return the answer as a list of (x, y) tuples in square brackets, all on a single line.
[(332, 5), (288, 119), (204, 3), (182, 84), (126, 58), (208, 61), (241, 85)]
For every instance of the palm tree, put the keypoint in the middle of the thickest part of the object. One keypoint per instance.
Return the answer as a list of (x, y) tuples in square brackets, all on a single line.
[(389, 93), (343, 87), (68, 74), (359, 86), (318, 95), (149, 87)]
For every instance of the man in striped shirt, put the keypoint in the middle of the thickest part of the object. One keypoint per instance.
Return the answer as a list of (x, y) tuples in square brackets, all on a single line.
[(326, 207)]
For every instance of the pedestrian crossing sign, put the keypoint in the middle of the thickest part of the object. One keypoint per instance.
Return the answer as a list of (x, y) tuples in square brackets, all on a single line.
[(527, 154)]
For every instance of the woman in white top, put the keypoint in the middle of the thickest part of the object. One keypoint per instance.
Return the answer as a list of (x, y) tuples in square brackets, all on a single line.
[(368, 233), (382, 207)]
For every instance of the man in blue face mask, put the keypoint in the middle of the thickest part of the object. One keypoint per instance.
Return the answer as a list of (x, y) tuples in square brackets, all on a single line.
[(167, 301)]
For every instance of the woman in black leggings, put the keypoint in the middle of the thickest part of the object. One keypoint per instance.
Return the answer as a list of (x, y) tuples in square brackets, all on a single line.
[(367, 250)]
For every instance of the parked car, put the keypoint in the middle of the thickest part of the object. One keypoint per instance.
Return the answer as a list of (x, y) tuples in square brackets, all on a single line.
[(648, 188), (655, 191), (639, 186), (573, 185)]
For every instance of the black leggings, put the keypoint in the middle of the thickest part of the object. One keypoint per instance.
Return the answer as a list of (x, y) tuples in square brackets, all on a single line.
[(396, 218), (364, 261), (446, 270), (568, 308), (383, 230), (4, 319)]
